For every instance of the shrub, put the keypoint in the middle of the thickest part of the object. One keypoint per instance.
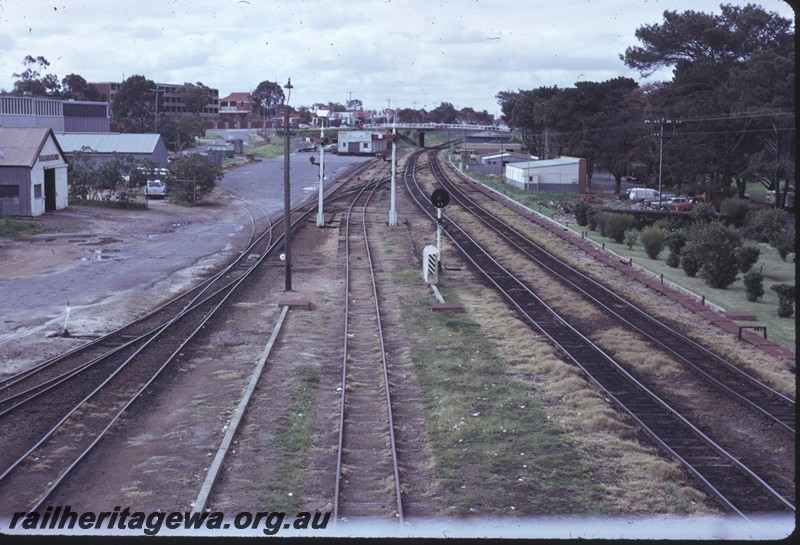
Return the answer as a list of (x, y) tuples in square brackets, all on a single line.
[(675, 241), (653, 241), (616, 225), (754, 286), (736, 210), (597, 221), (673, 259), (784, 241), (746, 257), (582, 211), (785, 299), (766, 225), (663, 223), (703, 212), (715, 245), (690, 264), (631, 236)]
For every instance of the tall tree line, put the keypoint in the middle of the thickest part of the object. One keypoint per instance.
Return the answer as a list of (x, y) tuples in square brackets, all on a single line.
[(727, 113)]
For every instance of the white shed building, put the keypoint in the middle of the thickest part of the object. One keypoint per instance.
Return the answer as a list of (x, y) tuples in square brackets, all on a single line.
[(363, 142), (33, 172), (566, 174)]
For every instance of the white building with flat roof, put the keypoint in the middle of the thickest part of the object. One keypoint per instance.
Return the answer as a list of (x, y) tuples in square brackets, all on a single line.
[(566, 174)]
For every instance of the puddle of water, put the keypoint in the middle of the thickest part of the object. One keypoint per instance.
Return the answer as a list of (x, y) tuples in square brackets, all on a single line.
[(103, 254)]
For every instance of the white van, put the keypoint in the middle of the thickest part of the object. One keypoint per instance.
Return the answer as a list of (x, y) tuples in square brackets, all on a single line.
[(642, 194)]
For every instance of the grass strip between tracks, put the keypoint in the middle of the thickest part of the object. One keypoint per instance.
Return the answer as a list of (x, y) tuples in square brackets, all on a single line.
[(283, 492)]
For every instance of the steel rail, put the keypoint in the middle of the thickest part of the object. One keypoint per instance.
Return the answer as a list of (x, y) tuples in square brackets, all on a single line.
[(308, 205), (346, 336), (652, 413), (232, 288), (697, 357)]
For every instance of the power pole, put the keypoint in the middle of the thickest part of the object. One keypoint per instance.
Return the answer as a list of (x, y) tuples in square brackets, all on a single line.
[(660, 134)]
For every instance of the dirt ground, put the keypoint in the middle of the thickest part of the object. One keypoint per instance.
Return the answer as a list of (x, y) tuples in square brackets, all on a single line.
[(95, 268)]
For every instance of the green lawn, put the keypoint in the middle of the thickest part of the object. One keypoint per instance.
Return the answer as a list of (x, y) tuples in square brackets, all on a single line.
[(775, 271)]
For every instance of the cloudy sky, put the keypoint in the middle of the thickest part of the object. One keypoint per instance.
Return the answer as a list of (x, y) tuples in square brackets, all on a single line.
[(398, 53)]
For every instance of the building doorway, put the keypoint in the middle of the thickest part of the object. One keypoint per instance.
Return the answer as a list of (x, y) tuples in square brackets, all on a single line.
[(49, 189)]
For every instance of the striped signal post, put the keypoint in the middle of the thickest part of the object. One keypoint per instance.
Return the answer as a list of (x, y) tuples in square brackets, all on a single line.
[(320, 213), (392, 209)]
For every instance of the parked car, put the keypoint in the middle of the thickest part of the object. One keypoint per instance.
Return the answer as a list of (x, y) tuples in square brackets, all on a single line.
[(642, 194), (771, 198), (155, 189), (658, 203), (687, 204)]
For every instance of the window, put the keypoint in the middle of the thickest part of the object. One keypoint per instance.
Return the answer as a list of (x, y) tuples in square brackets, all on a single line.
[(9, 191), (37, 191)]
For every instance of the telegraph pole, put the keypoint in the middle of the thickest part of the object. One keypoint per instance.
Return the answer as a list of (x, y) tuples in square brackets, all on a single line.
[(287, 222), (660, 134)]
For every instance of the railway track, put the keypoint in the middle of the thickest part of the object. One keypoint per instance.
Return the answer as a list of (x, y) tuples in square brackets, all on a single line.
[(54, 414), (367, 481), (736, 486), (779, 409)]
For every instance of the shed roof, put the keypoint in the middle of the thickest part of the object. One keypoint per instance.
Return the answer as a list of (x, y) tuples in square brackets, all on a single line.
[(546, 162), (20, 146), (108, 142)]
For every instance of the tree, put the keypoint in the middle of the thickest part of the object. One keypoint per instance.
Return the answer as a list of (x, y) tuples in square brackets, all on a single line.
[(267, 96), (194, 177), (444, 113), (31, 80), (725, 69), (134, 105), (180, 131), (195, 97), (76, 87)]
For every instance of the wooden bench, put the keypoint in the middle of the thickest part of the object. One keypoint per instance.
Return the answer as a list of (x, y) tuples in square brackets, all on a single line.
[(754, 327)]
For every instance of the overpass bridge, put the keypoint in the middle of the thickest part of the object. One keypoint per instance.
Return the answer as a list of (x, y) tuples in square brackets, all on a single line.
[(422, 128), (438, 127)]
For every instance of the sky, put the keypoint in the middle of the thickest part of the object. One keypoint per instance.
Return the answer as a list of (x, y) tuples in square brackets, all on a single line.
[(386, 53)]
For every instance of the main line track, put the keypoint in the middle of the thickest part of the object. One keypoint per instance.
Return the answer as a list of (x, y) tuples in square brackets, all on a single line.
[(367, 483), (736, 486)]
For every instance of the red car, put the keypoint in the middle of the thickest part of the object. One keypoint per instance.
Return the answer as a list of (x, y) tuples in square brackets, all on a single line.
[(684, 204)]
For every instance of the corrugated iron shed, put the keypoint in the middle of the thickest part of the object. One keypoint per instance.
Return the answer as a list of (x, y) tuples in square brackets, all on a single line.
[(20, 147), (109, 142)]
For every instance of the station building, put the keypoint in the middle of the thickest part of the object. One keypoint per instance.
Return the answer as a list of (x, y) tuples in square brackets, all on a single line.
[(565, 174), (363, 143), (33, 172)]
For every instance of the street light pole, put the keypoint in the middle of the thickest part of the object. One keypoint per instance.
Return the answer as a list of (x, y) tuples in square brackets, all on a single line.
[(287, 222)]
